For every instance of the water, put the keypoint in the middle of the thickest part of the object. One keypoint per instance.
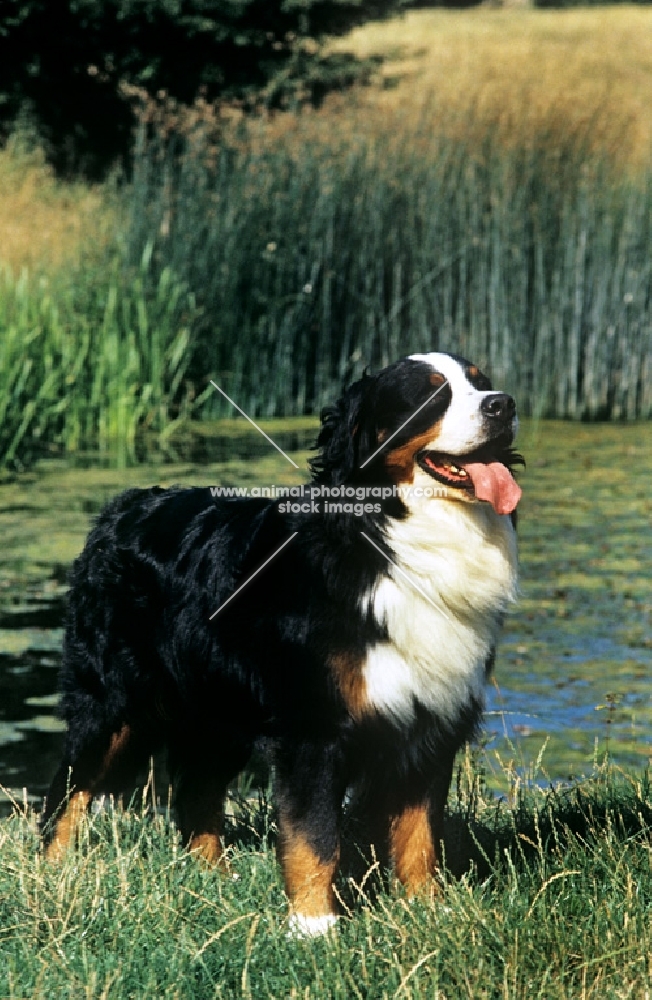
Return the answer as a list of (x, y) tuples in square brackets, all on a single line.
[(574, 668)]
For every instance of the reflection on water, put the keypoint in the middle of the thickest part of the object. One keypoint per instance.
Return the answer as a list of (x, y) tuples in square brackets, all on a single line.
[(575, 663), (30, 732)]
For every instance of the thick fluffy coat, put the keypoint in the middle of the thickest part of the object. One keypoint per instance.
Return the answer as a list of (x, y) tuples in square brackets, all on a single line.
[(355, 659)]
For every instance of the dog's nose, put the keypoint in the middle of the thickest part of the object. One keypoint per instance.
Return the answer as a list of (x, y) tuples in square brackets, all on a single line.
[(499, 406)]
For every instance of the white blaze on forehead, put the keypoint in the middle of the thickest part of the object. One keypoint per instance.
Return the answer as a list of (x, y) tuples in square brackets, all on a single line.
[(462, 428)]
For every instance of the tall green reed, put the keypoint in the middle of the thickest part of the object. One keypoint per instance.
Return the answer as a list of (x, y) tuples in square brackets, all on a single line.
[(90, 361), (312, 256)]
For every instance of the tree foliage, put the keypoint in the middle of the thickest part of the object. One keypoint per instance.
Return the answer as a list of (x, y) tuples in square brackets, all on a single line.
[(74, 65)]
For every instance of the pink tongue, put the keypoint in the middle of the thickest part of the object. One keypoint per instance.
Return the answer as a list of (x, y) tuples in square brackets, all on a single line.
[(494, 482)]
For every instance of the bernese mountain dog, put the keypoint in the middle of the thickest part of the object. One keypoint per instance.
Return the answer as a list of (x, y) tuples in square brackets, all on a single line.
[(348, 639)]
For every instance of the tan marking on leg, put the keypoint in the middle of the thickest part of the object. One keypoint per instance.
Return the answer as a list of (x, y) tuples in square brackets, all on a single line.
[(400, 461), (206, 824), (77, 806), (308, 879), (208, 846), (67, 825), (347, 670), (201, 815), (412, 847), (117, 746)]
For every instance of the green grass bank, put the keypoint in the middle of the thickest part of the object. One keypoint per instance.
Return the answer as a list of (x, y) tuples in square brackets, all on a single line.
[(552, 898)]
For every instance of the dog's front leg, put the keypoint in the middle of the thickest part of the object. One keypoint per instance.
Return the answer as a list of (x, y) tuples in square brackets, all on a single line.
[(309, 794), (416, 828)]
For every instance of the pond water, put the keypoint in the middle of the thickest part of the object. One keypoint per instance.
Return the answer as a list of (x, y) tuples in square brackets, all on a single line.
[(573, 676)]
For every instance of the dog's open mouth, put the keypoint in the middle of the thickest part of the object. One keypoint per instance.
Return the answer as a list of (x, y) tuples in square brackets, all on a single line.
[(484, 477)]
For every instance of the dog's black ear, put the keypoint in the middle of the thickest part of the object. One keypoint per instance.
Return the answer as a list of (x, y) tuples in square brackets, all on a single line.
[(345, 439)]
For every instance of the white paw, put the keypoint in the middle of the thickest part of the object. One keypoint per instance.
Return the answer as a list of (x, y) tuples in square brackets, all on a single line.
[(302, 926)]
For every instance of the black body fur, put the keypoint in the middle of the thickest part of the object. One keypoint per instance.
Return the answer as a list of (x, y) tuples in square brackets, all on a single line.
[(141, 649)]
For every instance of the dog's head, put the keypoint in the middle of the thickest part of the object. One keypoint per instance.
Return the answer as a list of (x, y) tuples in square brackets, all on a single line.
[(430, 421)]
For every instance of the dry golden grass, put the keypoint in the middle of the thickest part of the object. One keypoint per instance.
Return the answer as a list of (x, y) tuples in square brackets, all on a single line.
[(522, 74), (522, 71), (45, 223)]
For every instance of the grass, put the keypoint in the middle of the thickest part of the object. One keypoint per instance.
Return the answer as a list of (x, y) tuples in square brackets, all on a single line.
[(523, 71), (46, 224), (556, 902), (89, 361)]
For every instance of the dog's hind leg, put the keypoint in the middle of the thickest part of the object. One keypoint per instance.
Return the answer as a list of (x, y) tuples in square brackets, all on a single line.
[(201, 777), (61, 823), (104, 765)]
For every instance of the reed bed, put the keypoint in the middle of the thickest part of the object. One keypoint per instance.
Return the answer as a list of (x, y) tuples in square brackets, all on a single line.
[(91, 364), (315, 253), (491, 195)]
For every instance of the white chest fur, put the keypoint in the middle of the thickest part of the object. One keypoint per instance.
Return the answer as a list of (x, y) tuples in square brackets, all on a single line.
[(442, 605)]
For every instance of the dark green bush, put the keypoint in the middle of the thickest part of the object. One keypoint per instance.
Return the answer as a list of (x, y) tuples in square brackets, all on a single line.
[(77, 66)]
